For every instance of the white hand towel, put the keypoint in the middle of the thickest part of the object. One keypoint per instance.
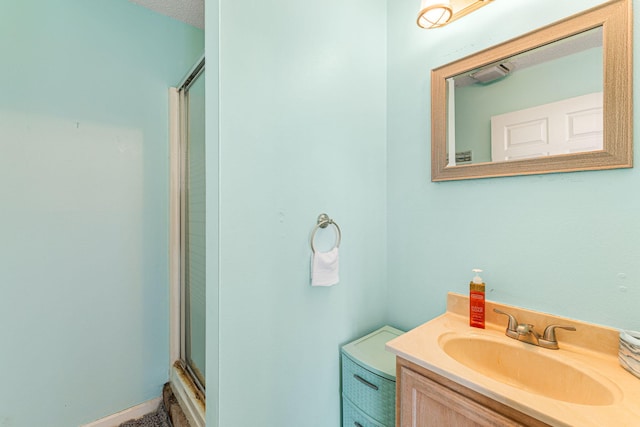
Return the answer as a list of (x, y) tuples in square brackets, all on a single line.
[(324, 268)]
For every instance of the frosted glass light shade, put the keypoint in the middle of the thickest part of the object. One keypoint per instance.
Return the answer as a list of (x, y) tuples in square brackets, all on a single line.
[(434, 13)]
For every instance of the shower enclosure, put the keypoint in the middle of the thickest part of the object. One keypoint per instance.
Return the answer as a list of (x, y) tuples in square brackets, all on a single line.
[(188, 249)]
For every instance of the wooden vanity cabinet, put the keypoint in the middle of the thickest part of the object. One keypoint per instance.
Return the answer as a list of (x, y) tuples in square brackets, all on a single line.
[(426, 399)]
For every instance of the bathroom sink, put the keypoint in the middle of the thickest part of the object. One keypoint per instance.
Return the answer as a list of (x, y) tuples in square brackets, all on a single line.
[(528, 368)]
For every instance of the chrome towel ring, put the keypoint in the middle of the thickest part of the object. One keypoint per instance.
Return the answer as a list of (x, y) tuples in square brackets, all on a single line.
[(323, 222)]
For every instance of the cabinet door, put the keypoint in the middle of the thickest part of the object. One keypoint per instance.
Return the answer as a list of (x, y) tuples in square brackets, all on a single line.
[(425, 403)]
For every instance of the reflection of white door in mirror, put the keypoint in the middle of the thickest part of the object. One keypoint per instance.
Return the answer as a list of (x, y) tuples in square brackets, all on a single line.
[(573, 125), (553, 72)]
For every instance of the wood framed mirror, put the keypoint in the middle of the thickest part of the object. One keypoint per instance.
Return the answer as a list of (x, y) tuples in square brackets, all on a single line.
[(604, 34)]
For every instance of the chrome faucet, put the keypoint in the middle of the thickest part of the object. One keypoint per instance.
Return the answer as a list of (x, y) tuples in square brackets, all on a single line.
[(525, 332)]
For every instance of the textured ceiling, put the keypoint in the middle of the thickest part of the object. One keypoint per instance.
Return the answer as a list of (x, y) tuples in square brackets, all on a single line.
[(189, 11)]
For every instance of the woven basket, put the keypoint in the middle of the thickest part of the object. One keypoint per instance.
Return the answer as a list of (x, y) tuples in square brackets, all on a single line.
[(352, 416), (380, 403), (629, 351)]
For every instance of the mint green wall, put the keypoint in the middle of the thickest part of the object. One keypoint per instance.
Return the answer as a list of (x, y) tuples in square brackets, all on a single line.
[(84, 217), (560, 243), (302, 131), (562, 78)]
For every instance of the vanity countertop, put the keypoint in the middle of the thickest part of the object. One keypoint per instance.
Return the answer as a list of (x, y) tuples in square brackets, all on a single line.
[(592, 348)]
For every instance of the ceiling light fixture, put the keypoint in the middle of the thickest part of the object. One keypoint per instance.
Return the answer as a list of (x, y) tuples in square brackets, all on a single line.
[(434, 13), (437, 13)]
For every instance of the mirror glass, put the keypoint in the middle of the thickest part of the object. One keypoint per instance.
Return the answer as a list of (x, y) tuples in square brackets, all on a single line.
[(515, 108), (554, 100)]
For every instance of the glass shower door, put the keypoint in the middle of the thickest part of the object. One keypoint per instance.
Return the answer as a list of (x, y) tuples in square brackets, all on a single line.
[(193, 225)]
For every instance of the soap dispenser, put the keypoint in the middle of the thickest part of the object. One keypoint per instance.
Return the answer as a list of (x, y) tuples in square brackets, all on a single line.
[(476, 300)]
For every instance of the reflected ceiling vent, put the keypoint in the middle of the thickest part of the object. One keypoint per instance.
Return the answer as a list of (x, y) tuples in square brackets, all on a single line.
[(492, 73)]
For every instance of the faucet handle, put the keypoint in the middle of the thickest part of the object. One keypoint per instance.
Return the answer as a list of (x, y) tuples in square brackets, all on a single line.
[(550, 332), (549, 339), (512, 326)]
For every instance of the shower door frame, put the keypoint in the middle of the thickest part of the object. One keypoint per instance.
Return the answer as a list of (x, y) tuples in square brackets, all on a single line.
[(185, 384)]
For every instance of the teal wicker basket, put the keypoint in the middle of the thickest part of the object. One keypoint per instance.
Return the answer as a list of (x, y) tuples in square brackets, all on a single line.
[(353, 417), (371, 393)]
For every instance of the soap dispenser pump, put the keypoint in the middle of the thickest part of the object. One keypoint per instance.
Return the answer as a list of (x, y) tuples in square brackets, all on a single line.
[(476, 300)]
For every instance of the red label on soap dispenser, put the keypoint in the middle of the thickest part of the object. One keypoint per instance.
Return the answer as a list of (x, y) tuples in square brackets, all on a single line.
[(476, 309)]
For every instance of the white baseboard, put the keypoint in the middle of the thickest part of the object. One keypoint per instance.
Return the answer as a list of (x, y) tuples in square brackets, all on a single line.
[(126, 415)]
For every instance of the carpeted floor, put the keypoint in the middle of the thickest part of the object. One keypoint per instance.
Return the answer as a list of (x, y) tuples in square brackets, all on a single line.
[(159, 418)]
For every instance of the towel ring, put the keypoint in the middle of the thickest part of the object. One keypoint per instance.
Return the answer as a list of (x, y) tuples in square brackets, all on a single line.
[(323, 222)]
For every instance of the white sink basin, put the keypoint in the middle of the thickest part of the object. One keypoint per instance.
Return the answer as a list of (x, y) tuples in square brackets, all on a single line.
[(528, 368)]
